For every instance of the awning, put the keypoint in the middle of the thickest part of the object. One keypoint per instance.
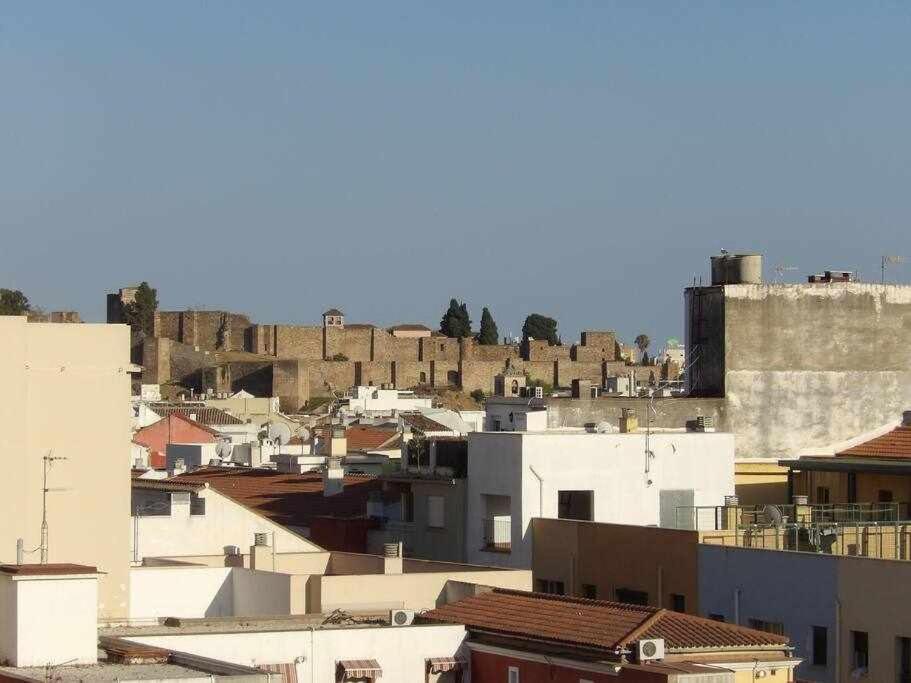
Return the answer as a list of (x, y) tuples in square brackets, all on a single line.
[(440, 665), (288, 671), (361, 668)]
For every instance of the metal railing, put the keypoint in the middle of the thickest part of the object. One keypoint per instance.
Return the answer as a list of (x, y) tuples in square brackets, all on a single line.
[(717, 517), (498, 534)]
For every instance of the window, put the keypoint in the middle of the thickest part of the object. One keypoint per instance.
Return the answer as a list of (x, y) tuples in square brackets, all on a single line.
[(860, 645), (435, 512), (717, 617), (407, 506), (515, 387), (197, 505), (822, 495), (513, 676), (903, 659), (497, 424), (775, 627), (575, 505), (884, 496), (820, 652), (589, 591), (632, 597), (549, 586), (423, 378), (678, 602)]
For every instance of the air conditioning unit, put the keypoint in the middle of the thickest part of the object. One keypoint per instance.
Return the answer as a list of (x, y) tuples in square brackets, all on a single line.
[(650, 649), (401, 617)]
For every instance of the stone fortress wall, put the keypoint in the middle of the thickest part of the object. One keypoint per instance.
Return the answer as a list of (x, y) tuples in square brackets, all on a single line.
[(214, 349)]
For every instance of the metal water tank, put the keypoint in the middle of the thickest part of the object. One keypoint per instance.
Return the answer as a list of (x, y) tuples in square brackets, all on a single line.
[(718, 273), (744, 269)]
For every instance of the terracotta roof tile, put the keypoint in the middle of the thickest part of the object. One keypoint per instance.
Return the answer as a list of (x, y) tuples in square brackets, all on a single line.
[(365, 437), (594, 623), (895, 444), (291, 500), (422, 423), (204, 414)]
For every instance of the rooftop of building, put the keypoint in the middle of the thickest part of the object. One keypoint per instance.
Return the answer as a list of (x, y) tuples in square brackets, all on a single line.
[(410, 327), (370, 438), (51, 569), (204, 415), (892, 445), (610, 626), (419, 421), (288, 499), (333, 311)]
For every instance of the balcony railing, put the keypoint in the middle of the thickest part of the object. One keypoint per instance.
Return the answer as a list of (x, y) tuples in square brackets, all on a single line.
[(498, 534), (714, 518)]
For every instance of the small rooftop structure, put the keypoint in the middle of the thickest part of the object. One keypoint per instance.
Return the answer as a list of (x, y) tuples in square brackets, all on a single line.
[(198, 412)]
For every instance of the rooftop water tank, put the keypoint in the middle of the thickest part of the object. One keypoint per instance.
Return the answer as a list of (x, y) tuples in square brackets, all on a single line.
[(737, 269)]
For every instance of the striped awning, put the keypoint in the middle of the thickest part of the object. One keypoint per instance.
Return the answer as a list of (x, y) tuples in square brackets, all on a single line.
[(288, 671), (361, 668), (440, 665)]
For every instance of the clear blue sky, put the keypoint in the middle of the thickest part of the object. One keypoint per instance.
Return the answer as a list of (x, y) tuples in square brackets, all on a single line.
[(578, 159)]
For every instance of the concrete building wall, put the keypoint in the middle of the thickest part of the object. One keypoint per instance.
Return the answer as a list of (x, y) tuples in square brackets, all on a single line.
[(302, 342), (402, 652), (532, 468), (194, 592), (606, 557), (797, 590), (49, 620), (446, 543), (801, 366), (412, 590), (224, 523), (66, 393)]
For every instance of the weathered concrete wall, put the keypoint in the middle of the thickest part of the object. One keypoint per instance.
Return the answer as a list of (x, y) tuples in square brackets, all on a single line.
[(671, 412), (801, 366), (208, 330)]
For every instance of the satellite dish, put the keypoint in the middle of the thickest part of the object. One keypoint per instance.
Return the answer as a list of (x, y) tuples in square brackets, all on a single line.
[(223, 448), (304, 434), (773, 514), (279, 433), (605, 427)]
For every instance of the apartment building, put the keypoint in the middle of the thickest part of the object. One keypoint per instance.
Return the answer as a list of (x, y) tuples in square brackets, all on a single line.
[(640, 477), (65, 425)]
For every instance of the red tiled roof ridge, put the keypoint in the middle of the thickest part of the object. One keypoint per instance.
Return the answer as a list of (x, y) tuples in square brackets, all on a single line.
[(577, 599), (643, 628), (893, 444), (195, 423)]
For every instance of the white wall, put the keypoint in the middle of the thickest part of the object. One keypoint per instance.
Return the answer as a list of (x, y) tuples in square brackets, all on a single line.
[(49, 620), (402, 652), (194, 592), (224, 523), (610, 465)]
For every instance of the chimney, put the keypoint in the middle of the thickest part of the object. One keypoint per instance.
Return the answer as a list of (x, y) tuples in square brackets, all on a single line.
[(338, 442), (333, 477), (629, 422), (392, 558), (262, 555)]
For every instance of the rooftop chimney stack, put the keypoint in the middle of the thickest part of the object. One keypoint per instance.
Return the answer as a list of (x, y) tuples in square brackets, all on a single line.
[(333, 477)]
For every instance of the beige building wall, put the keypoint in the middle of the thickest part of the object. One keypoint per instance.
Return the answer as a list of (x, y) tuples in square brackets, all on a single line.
[(66, 392), (873, 598), (758, 483)]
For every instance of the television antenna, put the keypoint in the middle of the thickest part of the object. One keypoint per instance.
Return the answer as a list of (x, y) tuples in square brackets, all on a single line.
[(781, 269), (49, 460), (889, 260)]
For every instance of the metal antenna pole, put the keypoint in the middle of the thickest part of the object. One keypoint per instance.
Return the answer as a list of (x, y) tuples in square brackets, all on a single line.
[(48, 462)]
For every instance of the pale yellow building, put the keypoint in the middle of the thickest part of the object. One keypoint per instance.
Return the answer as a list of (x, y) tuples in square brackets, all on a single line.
[(65, 395)]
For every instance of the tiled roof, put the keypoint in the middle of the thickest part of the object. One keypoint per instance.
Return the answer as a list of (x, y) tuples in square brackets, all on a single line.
[(367, 438), (165, 485), (333, 311), (287, 499), (204, 415), (594, 623), (894, 444), (46, 569), (421, 422), (410, 327)]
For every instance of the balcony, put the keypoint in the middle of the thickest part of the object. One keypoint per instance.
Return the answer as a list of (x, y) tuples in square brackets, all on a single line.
[(497, 534)]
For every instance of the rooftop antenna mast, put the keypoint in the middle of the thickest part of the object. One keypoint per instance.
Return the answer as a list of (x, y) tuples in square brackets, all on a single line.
[(888, 260), (781, 269), (49, 460)]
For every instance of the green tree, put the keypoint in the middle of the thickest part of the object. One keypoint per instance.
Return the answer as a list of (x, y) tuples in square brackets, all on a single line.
[(488, 335), (455, 322), (140, 313), (539, 326), (13, 302)]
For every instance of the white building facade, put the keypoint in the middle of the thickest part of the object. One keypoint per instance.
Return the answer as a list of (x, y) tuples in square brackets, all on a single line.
[(633, 478)]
